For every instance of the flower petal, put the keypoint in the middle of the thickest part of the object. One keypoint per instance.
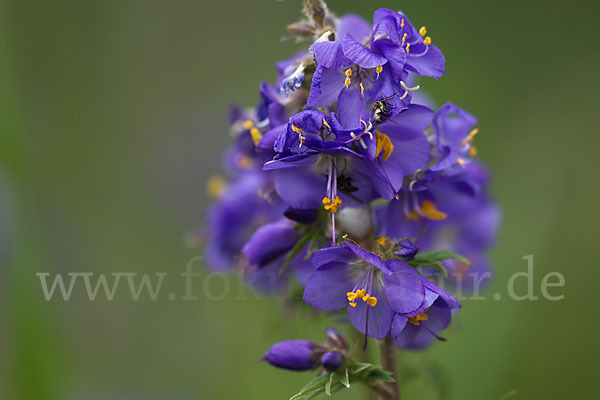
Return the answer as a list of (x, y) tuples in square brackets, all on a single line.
[(360, 54), (374, 322), (300, 187), (327, 287), (331, 55), (331, 254), (404, 288)]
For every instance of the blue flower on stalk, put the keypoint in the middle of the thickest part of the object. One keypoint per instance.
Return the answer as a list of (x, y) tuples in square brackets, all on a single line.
[(372, 290), (453, 135), (294, 355), (418, 329)]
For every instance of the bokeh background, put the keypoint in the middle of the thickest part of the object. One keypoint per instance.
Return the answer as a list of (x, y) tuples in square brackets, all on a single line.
[(113, 115)]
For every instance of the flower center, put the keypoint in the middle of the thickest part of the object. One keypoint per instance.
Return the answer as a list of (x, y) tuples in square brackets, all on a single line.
[(361, 294), (331, 205)]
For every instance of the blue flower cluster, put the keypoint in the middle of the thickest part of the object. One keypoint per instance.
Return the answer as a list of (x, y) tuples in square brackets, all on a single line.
[(343, 176)]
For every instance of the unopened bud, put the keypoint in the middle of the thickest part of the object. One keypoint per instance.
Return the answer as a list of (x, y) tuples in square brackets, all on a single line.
[(406, 249), (295, 355), (332, 361)]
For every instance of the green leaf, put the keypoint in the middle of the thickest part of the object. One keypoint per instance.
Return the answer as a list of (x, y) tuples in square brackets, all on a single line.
[(439, 255)]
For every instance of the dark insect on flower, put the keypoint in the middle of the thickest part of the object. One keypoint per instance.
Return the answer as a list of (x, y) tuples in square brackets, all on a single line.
[(382, 109)]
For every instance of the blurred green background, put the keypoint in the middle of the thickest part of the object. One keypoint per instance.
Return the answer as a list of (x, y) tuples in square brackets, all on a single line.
[(113, 116)]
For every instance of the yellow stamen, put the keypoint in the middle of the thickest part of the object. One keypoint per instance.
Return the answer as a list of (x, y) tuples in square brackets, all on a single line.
[(473, 151), (331, 205), (404, 38), (381, 240), (362, 88), (216, 186), (352, 304), (248, 124), (428, 210), (302, 139), (345, 236), (416, 320), (347, 82), (383, 143), (423, 31), (379, 69), (296, 129), (407, 47), (326, 124), (372, 301), (256, 135), (427, 41), (348, 72), (470, 137), (402, 23), (460, 162)]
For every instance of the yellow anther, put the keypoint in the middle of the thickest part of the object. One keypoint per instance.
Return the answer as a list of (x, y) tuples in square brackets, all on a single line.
[(361, 293), (348, 72), (460, 162), (331, 205), (302, 139), (296, 129), (352, 304), (379, 69), (416, 320), (402, 23), (362, 88), (216, 186), (381, 240), (428, 210), (326, 124), (423, 31), (256, 135), (473, 151), (383, 143), (248, 124), (345, 236), (404, 38), (470, 138), (352, 296), (347, 82), (427, 41), (407, 47), (372, 301)]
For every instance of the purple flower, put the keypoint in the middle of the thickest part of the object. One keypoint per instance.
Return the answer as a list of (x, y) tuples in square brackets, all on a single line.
[(371, 289), (295, 355), (453, 136), (418, 329)]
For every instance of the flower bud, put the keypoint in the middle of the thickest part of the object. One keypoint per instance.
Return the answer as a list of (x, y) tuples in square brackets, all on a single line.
[(270, 242), (406, 249), (332, 360), (295, 355)]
